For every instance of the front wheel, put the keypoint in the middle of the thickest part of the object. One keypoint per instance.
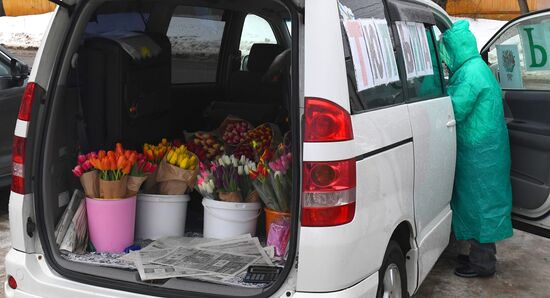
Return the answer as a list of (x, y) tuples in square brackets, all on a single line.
[(392, 277)]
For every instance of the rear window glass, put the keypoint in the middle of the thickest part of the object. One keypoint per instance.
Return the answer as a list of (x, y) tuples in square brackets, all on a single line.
[(196, 35)]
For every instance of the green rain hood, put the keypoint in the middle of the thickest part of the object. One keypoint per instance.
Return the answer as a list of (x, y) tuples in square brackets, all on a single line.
[(482, 195)]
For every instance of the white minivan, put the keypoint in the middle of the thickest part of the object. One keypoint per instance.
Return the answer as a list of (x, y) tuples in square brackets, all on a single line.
[(359, 85)]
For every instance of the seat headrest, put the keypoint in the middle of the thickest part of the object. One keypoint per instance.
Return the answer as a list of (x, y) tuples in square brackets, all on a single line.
[(262, 55), (278, 68)]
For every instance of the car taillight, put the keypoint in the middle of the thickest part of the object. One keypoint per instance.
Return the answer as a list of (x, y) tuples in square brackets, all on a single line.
[(325, 121), (12, 283), (20, 139), (328, 197), (26, 102)]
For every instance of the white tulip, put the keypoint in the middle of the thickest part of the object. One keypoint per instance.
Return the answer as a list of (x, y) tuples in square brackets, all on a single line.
[(226, 160), (246, 169), (240, 170)]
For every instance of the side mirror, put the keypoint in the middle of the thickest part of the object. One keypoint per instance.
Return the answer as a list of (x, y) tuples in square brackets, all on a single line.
[(19, 69)]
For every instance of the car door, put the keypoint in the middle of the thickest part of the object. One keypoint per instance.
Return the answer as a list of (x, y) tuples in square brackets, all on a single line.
[(518, 57), (433, 127)]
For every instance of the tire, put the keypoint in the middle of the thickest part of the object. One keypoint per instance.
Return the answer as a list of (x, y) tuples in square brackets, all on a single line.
[(393, 265)]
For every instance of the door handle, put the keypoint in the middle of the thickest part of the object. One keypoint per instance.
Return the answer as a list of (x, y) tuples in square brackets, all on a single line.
[(451, 123)]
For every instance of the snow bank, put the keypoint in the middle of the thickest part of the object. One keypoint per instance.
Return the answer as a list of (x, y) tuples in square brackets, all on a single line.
[(24, 31), (483, 29), (188, 34)]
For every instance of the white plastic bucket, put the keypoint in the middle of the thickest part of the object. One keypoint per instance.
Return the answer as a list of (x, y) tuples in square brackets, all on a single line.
[(228, 219), (159, 216)]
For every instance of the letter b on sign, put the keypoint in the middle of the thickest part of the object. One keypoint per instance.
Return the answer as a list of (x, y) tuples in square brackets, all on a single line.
[(535, 47)]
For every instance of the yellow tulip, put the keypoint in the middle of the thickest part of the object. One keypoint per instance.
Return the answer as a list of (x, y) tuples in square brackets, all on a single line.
[(169, 155)]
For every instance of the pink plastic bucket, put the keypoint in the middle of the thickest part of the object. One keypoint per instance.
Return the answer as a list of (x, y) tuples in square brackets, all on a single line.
[(111, 223)]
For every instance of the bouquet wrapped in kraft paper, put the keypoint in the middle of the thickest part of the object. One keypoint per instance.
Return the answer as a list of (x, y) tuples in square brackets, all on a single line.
[(140, 173), (88, 175), (227, 179), (233, 131), (177, 172), (155, 154)]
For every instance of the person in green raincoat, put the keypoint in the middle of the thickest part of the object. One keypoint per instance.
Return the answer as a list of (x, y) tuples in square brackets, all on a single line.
[(482, 195)]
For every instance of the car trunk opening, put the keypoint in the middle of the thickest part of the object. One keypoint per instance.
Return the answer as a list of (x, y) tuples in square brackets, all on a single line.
[(144, 71)]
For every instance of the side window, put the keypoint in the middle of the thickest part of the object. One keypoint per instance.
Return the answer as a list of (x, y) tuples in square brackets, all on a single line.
[(437, 35), (255, 30), (4, 70), (519, 56), (423, 77), (196, 35), (373, 76)]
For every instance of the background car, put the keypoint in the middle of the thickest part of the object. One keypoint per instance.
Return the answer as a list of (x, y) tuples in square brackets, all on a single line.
[(13, 78)]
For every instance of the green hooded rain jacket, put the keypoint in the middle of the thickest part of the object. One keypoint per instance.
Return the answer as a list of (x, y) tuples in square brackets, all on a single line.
[(482, 195)]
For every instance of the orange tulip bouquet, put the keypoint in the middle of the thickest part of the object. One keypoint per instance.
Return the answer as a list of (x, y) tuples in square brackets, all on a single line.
[(111, 180), (113, 174)]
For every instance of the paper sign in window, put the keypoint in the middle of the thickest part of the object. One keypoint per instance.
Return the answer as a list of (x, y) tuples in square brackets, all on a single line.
[(374, 49), (509, 69), (387, 50), (427, 55), (359, 54), (415, 48), (406, 47), (535, 42)]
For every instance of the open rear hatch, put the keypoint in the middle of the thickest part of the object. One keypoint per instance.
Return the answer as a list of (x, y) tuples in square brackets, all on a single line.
[(186, 88)]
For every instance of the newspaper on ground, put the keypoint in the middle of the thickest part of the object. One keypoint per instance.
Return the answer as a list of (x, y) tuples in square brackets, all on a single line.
[(216, 262), (149, 271), (76, 237), (241, 246), (162, 244), (209, 260), (66, 219)]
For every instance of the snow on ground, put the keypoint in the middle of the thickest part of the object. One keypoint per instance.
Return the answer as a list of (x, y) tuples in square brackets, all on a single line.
[(483, 29), (23, 31)]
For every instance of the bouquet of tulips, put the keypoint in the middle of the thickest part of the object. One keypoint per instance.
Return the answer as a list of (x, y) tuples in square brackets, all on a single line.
[(233, 130), (262, 183), (263, 136), (178, 171), (154, 154), (227, 179), (281, 176), (114, 168), (87, 174), (205, 181), (205, 145), (112, 174), (273, 178), (140, 172)]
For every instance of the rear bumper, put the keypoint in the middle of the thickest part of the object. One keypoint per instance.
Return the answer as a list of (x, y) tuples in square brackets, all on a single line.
[(35, 279), (366, 288)]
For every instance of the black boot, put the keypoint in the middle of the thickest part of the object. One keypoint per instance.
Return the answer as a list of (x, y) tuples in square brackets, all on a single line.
[(468, 271), (463, 259)]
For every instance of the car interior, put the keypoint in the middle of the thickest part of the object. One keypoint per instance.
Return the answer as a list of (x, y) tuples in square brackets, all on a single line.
[(528, 126), (205, 61)]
